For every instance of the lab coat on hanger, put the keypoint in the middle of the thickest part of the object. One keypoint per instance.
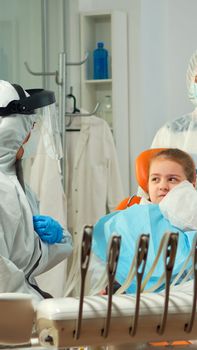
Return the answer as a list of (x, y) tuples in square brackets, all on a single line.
[(93, 181), (94, 185)]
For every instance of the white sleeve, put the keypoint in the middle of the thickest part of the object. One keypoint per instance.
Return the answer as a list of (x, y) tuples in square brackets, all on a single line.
[(161, 138), (179, 206), (115, 193)]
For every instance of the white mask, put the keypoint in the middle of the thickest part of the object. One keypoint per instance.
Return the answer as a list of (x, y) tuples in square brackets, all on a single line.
[(192, 93), (190, 78)]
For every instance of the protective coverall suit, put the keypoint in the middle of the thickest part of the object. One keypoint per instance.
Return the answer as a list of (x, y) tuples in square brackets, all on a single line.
[(23, 255)]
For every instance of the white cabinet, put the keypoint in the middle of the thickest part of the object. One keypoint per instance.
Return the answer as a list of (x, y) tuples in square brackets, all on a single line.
[(111, 28)]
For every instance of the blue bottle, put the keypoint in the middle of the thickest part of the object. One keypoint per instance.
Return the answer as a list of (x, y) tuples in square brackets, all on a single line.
[(100, 59)]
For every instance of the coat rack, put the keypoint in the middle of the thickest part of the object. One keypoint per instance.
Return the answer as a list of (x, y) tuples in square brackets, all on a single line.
[(60, 79)]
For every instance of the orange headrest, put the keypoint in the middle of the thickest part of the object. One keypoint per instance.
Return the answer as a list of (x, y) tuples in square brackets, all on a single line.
[(142, 166)]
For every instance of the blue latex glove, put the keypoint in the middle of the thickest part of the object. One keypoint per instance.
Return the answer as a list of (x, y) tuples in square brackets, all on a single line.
[(48, 229)]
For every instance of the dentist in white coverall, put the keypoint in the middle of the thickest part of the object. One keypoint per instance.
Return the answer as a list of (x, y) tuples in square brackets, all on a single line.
[(24, 253)]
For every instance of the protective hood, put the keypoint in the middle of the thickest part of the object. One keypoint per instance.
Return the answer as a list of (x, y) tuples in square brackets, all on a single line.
[(13, 129)]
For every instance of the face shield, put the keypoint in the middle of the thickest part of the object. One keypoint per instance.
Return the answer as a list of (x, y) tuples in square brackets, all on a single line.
[(45, 135), (26, 115), (39, 106), (191, 79)]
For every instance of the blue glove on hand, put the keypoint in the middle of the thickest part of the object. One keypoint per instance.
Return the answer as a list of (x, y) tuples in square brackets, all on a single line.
[(48, 229)]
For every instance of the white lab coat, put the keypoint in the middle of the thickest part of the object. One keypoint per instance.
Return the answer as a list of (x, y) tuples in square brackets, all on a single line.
[(94, 185), (93, 181)]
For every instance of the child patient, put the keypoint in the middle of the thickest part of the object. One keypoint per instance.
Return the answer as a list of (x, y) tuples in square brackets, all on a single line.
[(167, 169), (170, 181)]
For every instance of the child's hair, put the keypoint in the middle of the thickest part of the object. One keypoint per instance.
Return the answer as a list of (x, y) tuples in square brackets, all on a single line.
[(180, 157)]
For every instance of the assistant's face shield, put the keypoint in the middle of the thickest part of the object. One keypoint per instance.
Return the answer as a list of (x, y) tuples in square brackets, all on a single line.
[(46, 131), (191, 79), (38, 105), (45, 135)]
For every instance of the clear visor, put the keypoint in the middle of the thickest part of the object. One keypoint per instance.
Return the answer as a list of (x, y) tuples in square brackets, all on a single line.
[(192, 90), (191, 78), (45, 136)]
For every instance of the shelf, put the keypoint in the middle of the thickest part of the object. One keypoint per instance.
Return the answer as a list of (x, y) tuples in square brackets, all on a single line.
[(110, 28), (98, 81)]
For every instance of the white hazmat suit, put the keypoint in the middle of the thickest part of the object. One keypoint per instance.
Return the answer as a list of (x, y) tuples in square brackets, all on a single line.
[(23, 255)]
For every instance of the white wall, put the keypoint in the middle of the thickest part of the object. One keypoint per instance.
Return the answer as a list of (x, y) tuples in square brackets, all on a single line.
[(22, 37), (161, 39), (72, 23), (55, 40), (20, 40)]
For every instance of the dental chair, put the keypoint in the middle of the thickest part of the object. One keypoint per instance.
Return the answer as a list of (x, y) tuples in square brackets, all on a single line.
[(144, 320)]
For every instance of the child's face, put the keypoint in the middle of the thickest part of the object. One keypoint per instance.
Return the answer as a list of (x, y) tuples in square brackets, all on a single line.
[(164, 174)]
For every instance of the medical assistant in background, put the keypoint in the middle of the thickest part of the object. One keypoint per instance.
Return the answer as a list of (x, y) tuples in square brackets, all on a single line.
[(182, 132)]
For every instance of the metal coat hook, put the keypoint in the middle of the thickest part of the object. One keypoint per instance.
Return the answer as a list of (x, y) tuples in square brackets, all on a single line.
[(93, 112), (141, 258), (76, 110), (71, 96), (42, 73), (56, 73), (37, 73), (85, 259), (169, 259), (112, 262), (78, 63), (188, 326)]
